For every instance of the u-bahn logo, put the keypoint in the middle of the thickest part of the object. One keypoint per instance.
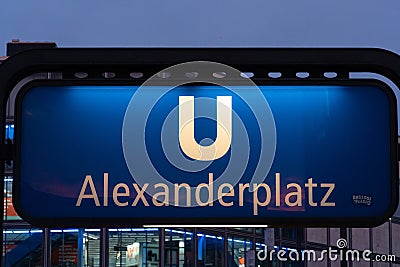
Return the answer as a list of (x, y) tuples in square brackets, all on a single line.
[(187, 140), (159, 138)]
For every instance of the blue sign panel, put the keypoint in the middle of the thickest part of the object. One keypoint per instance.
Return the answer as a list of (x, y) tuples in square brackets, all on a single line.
[(206, 154)]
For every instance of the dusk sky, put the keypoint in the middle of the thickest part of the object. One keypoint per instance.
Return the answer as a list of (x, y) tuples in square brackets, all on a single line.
[(177, 23)]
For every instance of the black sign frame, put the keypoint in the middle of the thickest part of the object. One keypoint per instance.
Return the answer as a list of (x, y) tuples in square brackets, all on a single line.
[(97, 62)]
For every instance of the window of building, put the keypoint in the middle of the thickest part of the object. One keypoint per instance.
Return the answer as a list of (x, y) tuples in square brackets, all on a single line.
[(75, 247), (380, 239), (317, 235), (334, 234), (360, 238), (134, 247), (179, 248), (210, 250), (239, 251), (395, 239), (22, 247), (9, 213)]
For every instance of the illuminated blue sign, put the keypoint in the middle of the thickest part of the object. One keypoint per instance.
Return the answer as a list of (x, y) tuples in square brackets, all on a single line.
[(204, 154)]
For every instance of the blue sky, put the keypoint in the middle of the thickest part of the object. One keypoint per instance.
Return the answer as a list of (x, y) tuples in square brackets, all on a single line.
[(262, 23)]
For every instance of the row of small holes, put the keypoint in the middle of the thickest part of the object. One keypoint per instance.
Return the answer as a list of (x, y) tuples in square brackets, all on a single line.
[(218, 75), (302, 75), (108, 75)]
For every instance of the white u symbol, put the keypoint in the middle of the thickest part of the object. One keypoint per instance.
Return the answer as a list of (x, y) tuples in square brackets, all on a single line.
[(222, 142)]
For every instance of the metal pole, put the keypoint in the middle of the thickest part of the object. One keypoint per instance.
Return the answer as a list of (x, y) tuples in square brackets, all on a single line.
[(46, 247), (343, 234), (104, 247), (161, 246), (80, 247), (196, 246), (225, 248)]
